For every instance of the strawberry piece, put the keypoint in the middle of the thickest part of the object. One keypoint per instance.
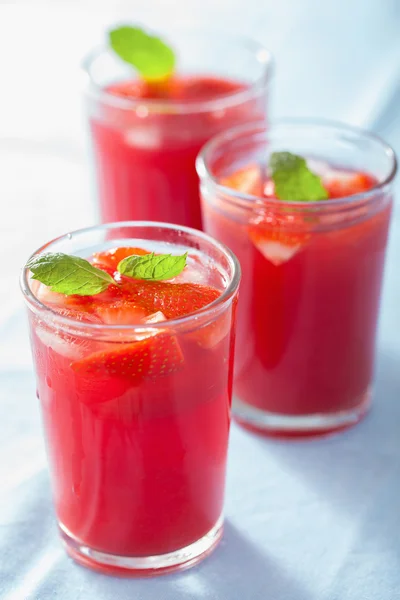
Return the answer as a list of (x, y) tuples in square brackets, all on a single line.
[(172, 299), (121, 312), (111, 258), (348, 184), (141, 89), (278, 237), (247, 180), (156, 356), (100, 390)]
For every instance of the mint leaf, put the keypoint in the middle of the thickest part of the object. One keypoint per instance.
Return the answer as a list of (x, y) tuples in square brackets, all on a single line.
[(293, 180), (153, 267), (148, 54), (69, 274)]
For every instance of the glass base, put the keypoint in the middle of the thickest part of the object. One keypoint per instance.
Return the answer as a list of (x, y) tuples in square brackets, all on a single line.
[(142, 566), (319, 424)]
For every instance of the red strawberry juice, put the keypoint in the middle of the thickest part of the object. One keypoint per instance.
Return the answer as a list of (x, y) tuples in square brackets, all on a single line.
[(137, 419), (145, 158), (146, 135), (310, 295)]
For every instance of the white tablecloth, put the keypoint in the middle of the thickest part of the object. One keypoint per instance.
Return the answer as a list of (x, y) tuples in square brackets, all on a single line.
[(304, 520)]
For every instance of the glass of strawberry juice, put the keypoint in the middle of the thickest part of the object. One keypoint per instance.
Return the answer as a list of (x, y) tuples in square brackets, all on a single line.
[(145, 139), (312, 271), (136, 409)]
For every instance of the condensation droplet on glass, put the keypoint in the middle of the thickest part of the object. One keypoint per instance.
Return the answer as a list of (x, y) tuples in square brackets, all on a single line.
[(69, 236)]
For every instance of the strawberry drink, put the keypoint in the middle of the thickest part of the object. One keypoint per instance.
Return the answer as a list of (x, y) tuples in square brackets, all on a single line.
[(132, 341), (306, 209), (147, 127)]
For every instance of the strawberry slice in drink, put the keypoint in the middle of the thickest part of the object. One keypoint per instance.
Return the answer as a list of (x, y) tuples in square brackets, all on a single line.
[(348, 184), (111, 258), (110, 372), (278, 237), (121, 312), (155, 356), (247, 180), (174, 300)]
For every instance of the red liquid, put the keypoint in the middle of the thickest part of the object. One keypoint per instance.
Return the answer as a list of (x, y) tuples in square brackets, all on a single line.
[(307, 322), (138, 465), (146, 161)]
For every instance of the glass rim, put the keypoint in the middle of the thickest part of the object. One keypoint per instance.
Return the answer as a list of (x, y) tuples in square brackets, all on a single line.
[(259, 127), (39, 307), (262, 55)]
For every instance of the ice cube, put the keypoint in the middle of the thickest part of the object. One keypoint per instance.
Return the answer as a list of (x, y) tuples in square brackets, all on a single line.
[(45, 295), (196, 271), (320, 167), (65, 344)]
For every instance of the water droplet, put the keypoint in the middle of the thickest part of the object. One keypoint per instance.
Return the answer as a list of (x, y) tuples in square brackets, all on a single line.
[(69, 236)]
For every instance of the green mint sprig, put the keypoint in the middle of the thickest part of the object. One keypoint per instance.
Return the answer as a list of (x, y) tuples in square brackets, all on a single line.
[(149, 55), (69, 274), (153, 267), (293, 180), (72, 275)]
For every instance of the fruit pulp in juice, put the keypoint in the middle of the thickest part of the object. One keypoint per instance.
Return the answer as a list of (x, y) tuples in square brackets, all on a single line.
[(137, 430), (145, 156), (310, 293)]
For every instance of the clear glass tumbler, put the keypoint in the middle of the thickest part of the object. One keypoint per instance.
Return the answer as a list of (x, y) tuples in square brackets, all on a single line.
[(312, 273), (137, 465), (145, 147)]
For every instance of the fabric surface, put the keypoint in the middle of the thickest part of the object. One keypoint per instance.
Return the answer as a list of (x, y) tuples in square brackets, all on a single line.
[(304, 520)]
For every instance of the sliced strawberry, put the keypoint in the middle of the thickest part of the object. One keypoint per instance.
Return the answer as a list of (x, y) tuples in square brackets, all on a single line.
[(278, 237), (196, 271), (348, 184), (172, 299), (121, 312), (93, 391), (157, 356), (111, 258), (141, 89), (247, 180)]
